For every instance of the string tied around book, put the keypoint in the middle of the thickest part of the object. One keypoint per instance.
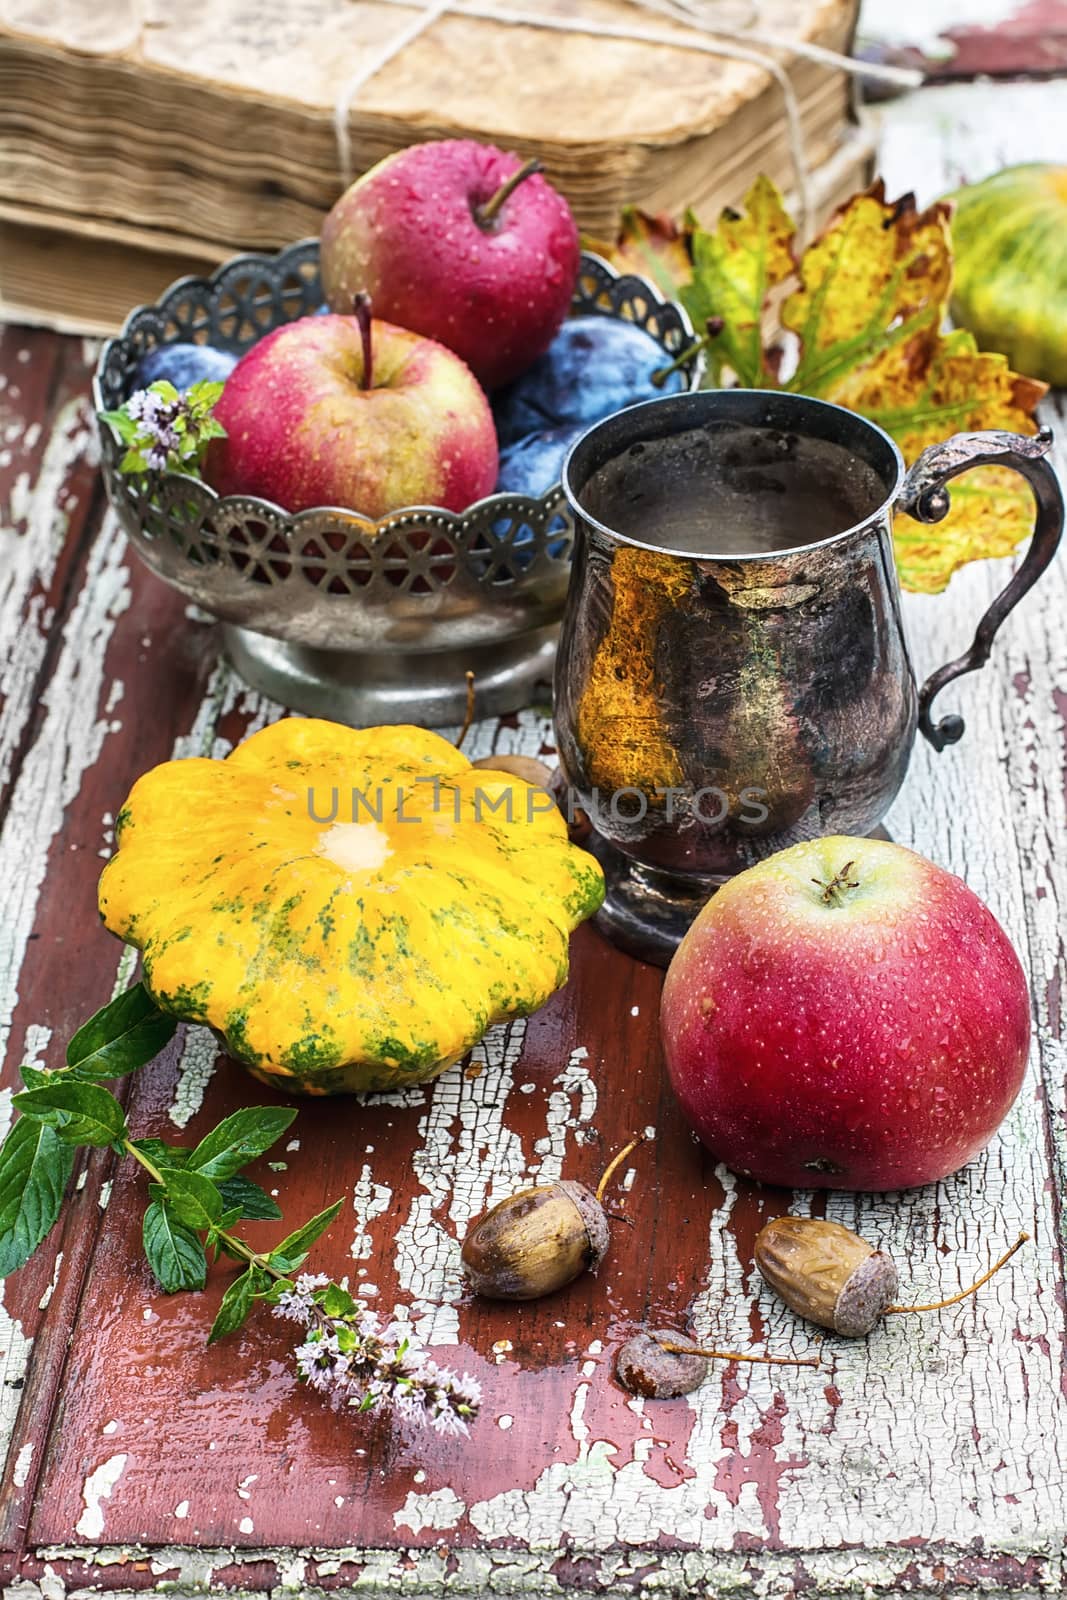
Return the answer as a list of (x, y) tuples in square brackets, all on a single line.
[(738, 40)]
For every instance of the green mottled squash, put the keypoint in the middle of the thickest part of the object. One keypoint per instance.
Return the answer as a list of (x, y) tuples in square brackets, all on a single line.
[(348, 909), (1009, 235)]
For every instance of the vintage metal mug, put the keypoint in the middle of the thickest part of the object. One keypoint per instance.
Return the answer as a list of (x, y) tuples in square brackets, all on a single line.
[(714, 707)]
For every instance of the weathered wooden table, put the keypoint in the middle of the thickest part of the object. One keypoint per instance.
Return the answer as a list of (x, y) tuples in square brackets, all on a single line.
[(930, 1458)]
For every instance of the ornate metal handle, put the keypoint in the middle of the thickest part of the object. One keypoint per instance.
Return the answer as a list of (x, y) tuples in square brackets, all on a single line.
[(925, 497)]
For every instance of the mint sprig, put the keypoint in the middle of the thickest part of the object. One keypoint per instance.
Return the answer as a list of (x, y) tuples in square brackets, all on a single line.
[(165, 430), (195, 1199)]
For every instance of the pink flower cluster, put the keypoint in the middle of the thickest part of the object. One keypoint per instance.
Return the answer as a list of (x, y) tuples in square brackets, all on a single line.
[(352, 1352)]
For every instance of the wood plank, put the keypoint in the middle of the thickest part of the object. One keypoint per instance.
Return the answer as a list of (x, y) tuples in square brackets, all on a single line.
[(930, 1457), (961, 1414)]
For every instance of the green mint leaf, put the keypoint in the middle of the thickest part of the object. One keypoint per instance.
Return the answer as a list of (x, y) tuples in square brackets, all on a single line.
[(194, 1199), (255, 1203), (162, 1154), (124, 1035), (124, 426), (81, 1113), (289, 1255), (33, 1077), (229, 1217), (134, 461), (203, 395), (165, 389), (174, 1252), (34, 1168), (236, 1304), (239, 1139), (337, 1302)]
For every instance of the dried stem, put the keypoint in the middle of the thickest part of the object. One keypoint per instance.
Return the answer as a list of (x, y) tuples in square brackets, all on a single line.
[(468, 715), (715, 326), (939, 1305), (735, 1355), (487, 214), (615, 1162)]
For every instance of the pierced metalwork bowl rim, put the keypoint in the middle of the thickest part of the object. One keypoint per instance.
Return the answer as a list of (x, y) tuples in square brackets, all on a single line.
[(522, 505)]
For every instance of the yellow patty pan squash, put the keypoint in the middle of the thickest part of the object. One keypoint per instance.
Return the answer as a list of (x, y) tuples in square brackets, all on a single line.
[(348, 909)]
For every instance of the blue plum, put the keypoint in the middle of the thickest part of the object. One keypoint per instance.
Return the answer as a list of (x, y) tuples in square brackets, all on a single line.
[(594, 367), (183, 365), (532, 465)]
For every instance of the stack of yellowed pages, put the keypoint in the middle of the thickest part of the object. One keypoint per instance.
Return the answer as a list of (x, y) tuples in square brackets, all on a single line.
[(140, 139)]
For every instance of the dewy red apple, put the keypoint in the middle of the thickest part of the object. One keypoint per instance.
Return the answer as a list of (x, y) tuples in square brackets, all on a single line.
[(311, 420), (462, 242), (846, 1015)]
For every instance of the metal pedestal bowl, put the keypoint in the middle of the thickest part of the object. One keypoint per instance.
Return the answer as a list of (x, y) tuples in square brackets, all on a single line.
[(327, 611)]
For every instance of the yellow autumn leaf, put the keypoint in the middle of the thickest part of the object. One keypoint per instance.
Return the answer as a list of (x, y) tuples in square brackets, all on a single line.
[(872, 297), (735, 270), (654, 247), (992, 510), (868, 314)]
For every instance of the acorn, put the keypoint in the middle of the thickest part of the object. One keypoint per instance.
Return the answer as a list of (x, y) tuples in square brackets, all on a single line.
[(831, 1276), (541, 1239)]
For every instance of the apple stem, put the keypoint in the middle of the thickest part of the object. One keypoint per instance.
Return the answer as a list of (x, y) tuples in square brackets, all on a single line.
[(361, 312), (939, 1305), (735, 1355), (833, 892), (487, 214), (468, 715), (714, 326), (615, 1162)]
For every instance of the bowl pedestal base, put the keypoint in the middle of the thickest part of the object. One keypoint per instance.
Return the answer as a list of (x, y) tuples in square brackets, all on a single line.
[(427, 688)]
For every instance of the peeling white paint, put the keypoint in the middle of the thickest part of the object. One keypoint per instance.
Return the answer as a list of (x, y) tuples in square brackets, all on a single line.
[(68, 743), (571, 1109), (181, 1510), (441, 1509), (98, 1487), (32, 537), (50, 1289), (196, 1067), (21, 1470), (370, 1200), (466, 1152)]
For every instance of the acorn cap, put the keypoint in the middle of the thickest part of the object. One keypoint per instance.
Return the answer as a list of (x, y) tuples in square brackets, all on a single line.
[(826, 1273), (644, 1367), (594, 1219)]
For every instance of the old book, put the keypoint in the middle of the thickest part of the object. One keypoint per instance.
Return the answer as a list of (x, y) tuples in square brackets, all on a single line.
[(80, 276), (216, 119)]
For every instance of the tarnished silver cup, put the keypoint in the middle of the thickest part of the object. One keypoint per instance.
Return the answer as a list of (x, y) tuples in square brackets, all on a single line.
[(733, 674)]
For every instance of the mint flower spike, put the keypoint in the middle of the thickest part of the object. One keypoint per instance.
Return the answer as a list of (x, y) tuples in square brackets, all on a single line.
[(347, 1351), (165, 430)]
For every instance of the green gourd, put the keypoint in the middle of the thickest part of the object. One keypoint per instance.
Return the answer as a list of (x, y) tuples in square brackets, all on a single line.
[(1009, 234)]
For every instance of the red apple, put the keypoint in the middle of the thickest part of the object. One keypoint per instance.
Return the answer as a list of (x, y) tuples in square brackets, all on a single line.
[(845, 1015), (462, 242), (342, 411)]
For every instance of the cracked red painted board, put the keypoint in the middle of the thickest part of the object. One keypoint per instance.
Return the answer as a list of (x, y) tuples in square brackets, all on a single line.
[(920, 1446)]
